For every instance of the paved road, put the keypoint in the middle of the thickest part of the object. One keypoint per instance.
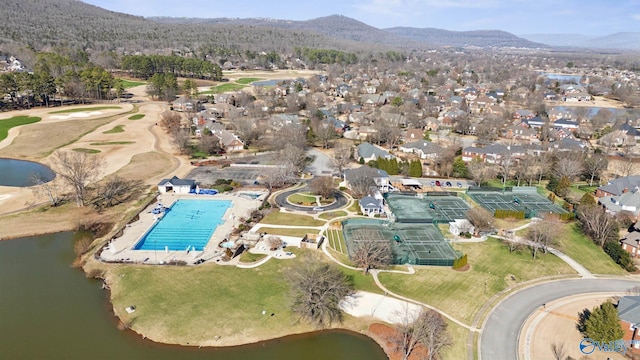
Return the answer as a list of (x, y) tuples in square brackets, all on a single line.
[(281, 200), (499, 339), (321, 165)]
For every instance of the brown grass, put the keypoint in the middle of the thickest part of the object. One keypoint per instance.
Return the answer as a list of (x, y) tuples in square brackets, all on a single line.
[(145, 166), (49, 137)]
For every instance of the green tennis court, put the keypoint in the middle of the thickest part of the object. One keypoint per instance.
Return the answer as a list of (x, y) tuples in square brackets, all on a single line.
[(522, 198), (432, 207)]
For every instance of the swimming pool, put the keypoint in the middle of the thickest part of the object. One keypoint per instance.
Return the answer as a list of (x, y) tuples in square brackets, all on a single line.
[(188, 224)]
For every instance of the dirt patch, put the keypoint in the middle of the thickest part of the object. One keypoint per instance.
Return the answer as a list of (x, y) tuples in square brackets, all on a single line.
[(381, 333), (146, 166)]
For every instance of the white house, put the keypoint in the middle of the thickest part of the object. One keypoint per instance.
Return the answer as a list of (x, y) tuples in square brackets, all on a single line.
[(459, 226), (370, 206), (177, 185)]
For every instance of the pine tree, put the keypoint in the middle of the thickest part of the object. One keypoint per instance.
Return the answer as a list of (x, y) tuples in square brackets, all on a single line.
[(603, 324)]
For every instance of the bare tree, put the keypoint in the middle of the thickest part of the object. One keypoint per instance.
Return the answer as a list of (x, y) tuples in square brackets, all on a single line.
[(318, 290), (209, 144), (599, 225), (51, 189), (559, 351), (428, 328), (341, 156), (182, 140), (292, 155), (481, 219), (325, 132), (480, 171), (250, 130), (170, 121), (371, 253), (408, 332), (361, 181), (323, 186), (569, 166), (280, 175), (116, 190), (594, 166), (541, 235), (274, 242), (505, 167), (78, 169)]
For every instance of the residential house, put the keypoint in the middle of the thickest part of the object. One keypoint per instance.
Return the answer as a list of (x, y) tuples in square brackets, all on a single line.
[(619, 186), (424, 149), (629, 315), (536, 122), (523, 114), (371, 206), (380, 177), (628, 201), (371, 152), (177, 185), (630, 130), (278, 121), (413, 135), (631, 243), (520, 132), (556, 114), (566, 124), (185, 103), (493, 154), (228, 140)]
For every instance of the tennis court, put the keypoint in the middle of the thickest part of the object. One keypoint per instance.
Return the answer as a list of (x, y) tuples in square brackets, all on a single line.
[(410, 243), (522, 198), (432, 207)]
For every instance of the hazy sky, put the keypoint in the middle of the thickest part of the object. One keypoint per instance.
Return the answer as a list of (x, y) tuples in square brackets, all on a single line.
[(589, 17)]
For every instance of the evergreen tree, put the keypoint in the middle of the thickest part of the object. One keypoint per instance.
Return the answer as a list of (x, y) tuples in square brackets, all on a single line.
[(603, 324), (460, 168)]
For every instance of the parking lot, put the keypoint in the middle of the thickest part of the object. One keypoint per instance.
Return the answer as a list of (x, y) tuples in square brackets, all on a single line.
[(209, 174)]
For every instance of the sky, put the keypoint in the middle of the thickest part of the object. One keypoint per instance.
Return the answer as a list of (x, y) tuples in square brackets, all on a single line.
[(586, 17)]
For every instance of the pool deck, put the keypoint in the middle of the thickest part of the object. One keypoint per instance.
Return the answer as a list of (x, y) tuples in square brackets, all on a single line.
[(121, 249)]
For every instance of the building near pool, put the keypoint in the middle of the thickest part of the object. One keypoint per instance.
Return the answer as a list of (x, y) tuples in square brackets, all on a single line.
[(177, 185)]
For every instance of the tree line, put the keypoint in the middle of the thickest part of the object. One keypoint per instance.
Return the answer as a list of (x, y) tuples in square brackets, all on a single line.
[(145, 66)]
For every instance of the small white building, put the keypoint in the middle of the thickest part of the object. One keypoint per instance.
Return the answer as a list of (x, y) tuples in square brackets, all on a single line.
[(459, 226), (177, 185)]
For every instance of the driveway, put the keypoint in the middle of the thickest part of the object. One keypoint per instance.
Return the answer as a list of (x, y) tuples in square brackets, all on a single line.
[(499, 339), (281, 200), (322, 163)]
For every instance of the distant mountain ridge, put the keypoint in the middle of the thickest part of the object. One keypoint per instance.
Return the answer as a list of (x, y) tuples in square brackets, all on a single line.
[(343, 27), (621, 40)]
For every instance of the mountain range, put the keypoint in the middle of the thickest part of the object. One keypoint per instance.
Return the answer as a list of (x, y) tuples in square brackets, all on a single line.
[(46, 24)]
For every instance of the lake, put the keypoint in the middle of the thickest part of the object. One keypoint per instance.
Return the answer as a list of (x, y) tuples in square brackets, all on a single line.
[(19, 173), (562, 77), (49, 310)]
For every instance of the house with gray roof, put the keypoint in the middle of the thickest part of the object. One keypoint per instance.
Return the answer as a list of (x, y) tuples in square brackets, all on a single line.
[(629, 314), (628, 201), (371, 206), (493, 153), (371, 152), (177, 185), (631, 243), (618, 186), (424, 149), (380, 177)]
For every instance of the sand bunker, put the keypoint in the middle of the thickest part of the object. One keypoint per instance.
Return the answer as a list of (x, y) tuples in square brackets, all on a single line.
[(80, 114)]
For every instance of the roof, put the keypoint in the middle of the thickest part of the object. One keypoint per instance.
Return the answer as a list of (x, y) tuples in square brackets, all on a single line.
[(427, 147), (629, 200), (369, 202), (176, 181), (411, 182), (617, 186), (367, 171), (367, 150), (629, 309)]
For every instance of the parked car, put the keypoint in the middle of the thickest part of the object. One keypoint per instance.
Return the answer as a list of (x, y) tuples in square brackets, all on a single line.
[(448, 183), (438, 183), (459, 184), (433, 183), (318, 208)]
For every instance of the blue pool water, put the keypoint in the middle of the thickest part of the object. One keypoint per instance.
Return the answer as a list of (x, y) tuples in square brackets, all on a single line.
[(187, 224)]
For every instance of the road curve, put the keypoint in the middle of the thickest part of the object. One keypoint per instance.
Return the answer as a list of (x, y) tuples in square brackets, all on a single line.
[(281, 200), (499, 339)]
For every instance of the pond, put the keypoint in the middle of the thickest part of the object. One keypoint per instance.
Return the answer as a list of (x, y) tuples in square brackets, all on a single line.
[(19, 173), (49, 310), (562, 77), (272, 82)]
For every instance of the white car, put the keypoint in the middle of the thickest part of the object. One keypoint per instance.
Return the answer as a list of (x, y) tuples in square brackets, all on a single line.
[(318, 208)]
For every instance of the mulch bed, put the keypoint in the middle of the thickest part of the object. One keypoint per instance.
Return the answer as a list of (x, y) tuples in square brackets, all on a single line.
[(381, 333)]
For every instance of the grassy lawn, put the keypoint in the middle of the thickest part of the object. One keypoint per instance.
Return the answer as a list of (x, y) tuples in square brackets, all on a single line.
[(461, 294), (299, 232), (248, 257), (136, 117), (572, 242), (95, 108), (127, 84), (112, 143), (145, 166), (7, 124), (333, 214), (355, 207), (458, 348), (85, 150), (116, 129), (223, 88), (299, 198), (336, 240), (282, 218), (247, 81)]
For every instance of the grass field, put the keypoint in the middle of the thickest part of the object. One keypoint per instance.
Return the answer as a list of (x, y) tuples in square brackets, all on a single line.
[(336, 240), (300, 198), (248, 257), (146, 166), (112, 143), (136, 117), (116, 129), (85, 150), (223, 88), (332, 215), (282, 218), (458, 348), (355, 207), (7, 124), (94, 108), (580, 248), (461, 294), (247, 81), (300, 232), (127, 84)]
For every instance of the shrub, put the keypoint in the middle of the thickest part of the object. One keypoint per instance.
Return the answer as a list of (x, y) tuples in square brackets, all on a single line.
[(460, 262), (619, 255)]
